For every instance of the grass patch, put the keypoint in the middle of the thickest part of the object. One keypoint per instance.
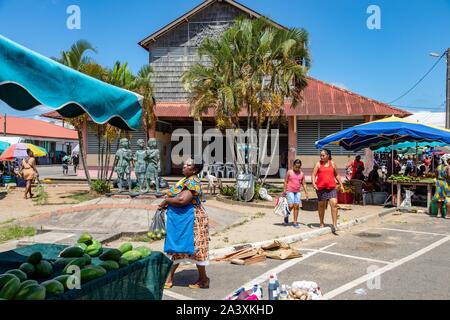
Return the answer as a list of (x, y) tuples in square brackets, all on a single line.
[(15, 232), (81, 196), (8, 221)]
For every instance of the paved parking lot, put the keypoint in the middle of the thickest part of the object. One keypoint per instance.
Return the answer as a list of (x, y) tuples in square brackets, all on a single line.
[(398, 257)]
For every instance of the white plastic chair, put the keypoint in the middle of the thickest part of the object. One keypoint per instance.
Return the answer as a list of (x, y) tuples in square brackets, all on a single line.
[(205, 171), (220, 168), (230, 170)]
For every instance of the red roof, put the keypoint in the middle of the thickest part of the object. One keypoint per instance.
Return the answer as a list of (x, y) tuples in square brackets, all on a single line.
[(35, 128), (320, 99)]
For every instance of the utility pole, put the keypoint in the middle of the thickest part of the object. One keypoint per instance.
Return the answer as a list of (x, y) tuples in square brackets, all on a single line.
[(4, 126), (447, 108)]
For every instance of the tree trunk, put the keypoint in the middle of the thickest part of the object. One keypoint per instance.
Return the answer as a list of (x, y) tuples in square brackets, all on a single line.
[(83, 156)]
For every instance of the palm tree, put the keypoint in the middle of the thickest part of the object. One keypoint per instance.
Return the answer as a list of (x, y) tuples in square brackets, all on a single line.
[(76, 59), (254, 67)]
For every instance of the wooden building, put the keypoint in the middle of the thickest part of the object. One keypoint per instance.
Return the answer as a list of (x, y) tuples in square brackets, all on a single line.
[(172, 49)]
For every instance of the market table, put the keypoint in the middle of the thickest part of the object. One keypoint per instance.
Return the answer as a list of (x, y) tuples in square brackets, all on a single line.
[(428, 184), (141, 280)]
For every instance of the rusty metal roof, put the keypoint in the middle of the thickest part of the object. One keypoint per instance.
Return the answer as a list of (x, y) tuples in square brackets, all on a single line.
[(320, 99)]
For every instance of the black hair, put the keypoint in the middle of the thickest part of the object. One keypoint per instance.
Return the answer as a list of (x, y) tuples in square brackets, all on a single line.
[(328, 152), (358, 157), (29, 151), (297, 161)]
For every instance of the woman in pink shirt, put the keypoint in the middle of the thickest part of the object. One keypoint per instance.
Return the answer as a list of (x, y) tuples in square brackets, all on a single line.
[(294, 179)]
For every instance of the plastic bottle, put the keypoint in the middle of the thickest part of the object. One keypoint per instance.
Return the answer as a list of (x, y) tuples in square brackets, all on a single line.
[(283, 293), (274, 286)]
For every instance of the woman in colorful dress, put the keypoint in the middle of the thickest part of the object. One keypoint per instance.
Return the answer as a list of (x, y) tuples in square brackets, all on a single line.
[(182, 196), (442, 184)]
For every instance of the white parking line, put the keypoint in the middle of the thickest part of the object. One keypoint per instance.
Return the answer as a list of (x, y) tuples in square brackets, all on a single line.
[(281, 268), (413, 231), (384, 269), (348, 256), (175, 295)]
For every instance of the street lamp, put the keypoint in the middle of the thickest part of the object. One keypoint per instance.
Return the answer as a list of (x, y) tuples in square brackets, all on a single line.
[(447, 100)]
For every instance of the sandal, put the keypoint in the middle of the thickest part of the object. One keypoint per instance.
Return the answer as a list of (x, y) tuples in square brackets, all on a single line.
[(200, 285), (168, 285)]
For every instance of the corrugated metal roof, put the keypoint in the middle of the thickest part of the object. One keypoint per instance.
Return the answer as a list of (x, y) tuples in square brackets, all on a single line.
[(35, 128), (319, 99)]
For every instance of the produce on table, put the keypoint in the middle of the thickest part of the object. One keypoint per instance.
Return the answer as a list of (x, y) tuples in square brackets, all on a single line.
[(18, 273), (85, 238), (95, 249), (90, 273), (109, 265), (72, 252), (53, 287), (145, 252), (9, 290), (33, 292), (4, 278), (111, 254), (35, 258), (63, 280), (43, 269), (125, 247), (132, 256), (28, 268), (27, 283), (81, 245), (79, 262), (123, 262)]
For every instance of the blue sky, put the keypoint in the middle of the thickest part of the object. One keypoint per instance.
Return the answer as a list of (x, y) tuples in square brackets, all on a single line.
[(380, 64)]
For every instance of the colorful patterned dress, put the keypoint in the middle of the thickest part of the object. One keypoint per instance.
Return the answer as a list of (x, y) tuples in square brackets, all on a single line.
[(201, 225), (442, 185)]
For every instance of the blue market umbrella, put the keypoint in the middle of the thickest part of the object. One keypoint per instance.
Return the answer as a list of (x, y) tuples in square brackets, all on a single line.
[(390, 130), (409, 145), (3, 146), (28, 79)]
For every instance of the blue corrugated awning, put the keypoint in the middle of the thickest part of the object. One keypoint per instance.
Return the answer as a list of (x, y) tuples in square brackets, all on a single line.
[(28, 79)]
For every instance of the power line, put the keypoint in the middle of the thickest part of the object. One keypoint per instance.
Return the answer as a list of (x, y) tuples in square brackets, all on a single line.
[(421, 108), (420, 80)]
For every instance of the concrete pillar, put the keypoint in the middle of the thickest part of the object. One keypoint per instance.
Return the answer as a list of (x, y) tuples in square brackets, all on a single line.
[(292, 140)]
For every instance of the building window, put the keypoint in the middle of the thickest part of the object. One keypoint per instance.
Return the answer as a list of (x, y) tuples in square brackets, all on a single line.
[(309, 131)]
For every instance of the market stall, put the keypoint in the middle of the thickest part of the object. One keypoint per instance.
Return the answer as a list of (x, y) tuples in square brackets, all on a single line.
[(413, 182), (142, 279), (390, 131)]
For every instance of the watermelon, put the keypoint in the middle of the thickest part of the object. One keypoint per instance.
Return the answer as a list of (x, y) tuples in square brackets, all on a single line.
[(81, 245), (80, 262), (72, 252), (125, 247), (4, 278), (44, 269), (132, 256), (33, 292), (10, 289), (28, 268), (63, 280), (18, 273), (123, 262), (91, 273), (109, 265), (35, 258), (145, 252), (53, 287), (111, 254), (27, 283)]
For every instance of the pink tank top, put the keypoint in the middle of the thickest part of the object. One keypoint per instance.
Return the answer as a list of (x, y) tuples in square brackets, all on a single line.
[(294, 181)]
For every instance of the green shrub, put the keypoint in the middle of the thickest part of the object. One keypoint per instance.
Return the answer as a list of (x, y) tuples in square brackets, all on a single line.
[(101, 186), (228, 191)]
